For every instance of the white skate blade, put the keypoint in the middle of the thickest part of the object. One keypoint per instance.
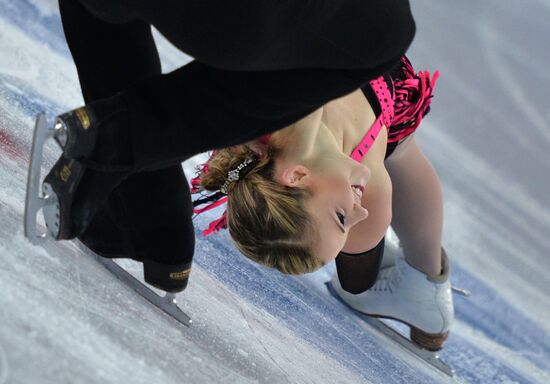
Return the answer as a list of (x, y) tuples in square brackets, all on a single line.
[(429, 357), (167, 303), (33, 200)]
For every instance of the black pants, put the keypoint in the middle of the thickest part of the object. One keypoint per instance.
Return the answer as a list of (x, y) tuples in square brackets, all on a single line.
[(260, 66)]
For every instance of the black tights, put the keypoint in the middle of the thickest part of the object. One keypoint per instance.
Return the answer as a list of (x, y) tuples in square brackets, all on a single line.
[(358, 272)]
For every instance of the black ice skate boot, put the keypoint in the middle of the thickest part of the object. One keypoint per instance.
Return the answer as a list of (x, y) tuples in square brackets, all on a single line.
[(97, 156), (74, 194), (104, 237), (76, 132), (98, 132)]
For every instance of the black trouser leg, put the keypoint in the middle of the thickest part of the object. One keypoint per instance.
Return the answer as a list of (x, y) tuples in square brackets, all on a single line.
[(108, 57), (148, 216), (260, 35)]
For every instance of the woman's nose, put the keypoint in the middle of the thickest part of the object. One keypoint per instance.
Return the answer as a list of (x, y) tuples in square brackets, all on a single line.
[(359, 213)]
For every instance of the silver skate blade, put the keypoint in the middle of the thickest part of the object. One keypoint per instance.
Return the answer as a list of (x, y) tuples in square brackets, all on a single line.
[(429, 357), (461, 291), (33, 201), (167, 303)]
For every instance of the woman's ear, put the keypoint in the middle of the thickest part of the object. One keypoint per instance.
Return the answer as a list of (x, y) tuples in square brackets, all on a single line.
[(294, 175)]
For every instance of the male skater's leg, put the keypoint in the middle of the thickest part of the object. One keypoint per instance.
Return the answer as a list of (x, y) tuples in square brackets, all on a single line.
[(264, 35), (149, 214)]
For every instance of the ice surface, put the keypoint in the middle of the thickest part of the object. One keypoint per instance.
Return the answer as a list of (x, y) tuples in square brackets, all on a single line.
[(65, 319)]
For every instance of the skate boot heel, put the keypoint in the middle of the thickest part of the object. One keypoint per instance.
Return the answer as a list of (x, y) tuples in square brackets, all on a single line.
[(169, 278), (75, 132), (431, 342)]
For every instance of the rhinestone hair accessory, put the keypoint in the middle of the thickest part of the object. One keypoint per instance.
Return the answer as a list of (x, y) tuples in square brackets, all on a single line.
[(238, 172), (216, 199)]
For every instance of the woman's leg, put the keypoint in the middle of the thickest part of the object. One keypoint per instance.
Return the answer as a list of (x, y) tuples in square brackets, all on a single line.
[(403, 292), (358, 272), (417, 216), (108, 57)]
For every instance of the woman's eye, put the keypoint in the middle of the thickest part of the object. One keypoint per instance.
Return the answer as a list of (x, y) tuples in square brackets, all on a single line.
[(341, 217)]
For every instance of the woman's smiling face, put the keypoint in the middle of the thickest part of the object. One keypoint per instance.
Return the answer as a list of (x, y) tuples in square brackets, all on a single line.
[(335, 183), (335, 203), (312, 158)]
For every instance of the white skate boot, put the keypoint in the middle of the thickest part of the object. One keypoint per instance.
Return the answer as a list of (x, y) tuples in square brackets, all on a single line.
[(405, 294)]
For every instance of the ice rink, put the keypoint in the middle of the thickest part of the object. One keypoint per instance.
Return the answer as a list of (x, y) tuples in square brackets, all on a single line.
[(65, 319)]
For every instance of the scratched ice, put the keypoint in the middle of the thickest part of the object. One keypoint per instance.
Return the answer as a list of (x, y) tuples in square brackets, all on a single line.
[(64, 319)]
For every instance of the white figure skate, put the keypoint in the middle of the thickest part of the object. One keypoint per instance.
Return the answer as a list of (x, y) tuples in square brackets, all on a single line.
[(407, 295)]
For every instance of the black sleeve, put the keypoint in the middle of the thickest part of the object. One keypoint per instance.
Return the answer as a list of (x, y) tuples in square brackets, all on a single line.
[(198, 107)]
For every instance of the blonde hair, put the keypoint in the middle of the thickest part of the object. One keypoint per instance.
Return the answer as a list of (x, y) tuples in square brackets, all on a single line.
[(267, 221)]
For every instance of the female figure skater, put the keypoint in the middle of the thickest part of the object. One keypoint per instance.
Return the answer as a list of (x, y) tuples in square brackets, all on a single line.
[(260, 65), (329, 186)]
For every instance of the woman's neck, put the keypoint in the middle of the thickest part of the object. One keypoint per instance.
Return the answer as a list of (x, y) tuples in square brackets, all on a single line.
[(307, 140)]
